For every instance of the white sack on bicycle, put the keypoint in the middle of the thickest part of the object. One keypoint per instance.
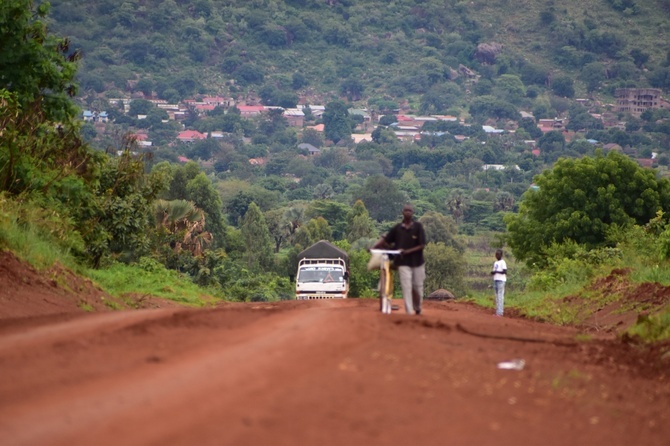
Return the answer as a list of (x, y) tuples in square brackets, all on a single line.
[(375, 261)]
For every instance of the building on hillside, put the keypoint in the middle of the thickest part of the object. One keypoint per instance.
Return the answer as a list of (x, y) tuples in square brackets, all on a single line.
[(552, 124), (94, 116), (142, 139), (309, 148), (190, 136), (248, 111), (219, 101), (637, 100), (295, 117), (316, 110)]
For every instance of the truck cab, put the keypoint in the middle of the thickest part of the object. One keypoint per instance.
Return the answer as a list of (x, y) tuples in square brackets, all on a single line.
[(325, 278)]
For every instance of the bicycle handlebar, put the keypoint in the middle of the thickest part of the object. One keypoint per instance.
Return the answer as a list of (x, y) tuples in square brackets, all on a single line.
[(385, 251)]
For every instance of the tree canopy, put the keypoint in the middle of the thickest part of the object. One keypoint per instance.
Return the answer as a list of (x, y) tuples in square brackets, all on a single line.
[(37, 66), (580, 200)]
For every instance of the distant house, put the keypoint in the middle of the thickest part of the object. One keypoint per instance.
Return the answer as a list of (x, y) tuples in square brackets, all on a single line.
[(295, 117), (309, 148), (204, 108), (637, 100), (190, 136), (361, 112), (358, 137), (94, 116), (316, 110), (247, 111), (219, 101), (142, 139), (548, 125), (489, 129)]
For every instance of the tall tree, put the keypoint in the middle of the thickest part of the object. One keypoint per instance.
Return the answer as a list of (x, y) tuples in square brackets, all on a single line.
[(311, 232), (382, 198), (256, 236), (359, 223), (441, 229), (201, 191), (36, 65), (336, 122), (445, 268)]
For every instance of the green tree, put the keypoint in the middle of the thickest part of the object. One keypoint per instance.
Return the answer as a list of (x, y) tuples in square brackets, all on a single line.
[(333, 212), (37, 66), (484, 107), (256, 236), (382, 198), (202, 193), (352, 88), (278, 226), (337, 125), (439, 98), (445, 268), (311, 232), (441, 229), (510, 87), (580, 200), (563, 86), (140, 107), (593, 74), (119, 218), (359, 223)]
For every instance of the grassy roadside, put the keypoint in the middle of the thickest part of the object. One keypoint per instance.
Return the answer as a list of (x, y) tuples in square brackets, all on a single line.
[(42, 238), (150, 278), (630, 286)]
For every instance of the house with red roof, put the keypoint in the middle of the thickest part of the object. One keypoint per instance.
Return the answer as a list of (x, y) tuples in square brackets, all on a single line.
[(247, 111), (190, 136)]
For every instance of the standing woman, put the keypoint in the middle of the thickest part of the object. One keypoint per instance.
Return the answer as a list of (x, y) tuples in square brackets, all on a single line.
[(499, 274)]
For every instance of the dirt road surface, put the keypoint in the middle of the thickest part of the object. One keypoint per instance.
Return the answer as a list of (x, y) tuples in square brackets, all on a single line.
[(322, 373)]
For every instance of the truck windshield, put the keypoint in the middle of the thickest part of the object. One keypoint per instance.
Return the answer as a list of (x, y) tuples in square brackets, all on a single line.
[(315, 274)]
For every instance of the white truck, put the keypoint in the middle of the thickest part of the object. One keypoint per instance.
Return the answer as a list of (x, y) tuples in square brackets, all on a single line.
[(323, 272)]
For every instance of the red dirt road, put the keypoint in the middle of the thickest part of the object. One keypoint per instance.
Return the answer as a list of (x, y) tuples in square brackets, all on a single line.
[(322, 373)]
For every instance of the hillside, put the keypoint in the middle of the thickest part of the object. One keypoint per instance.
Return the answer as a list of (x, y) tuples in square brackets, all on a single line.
[(363, 50)]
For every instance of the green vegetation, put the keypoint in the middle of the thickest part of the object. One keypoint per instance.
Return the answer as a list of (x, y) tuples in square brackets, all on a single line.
[(151, 278)]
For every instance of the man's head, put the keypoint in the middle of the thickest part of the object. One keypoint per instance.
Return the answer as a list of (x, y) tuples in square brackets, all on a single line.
[(499, 254), (407, 212)]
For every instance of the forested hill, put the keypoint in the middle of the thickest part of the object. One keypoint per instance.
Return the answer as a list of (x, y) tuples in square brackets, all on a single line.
[(365, 50)]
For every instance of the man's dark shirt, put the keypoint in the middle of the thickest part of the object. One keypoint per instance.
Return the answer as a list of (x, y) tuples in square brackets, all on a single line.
[(405, 238)]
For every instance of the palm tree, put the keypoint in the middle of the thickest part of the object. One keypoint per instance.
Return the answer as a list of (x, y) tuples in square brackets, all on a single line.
[(181, 216)]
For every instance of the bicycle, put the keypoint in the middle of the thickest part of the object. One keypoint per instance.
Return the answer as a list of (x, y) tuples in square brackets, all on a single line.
[(386, 279)]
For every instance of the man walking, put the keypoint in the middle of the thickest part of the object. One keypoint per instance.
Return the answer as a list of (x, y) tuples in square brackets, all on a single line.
[(409, 238)]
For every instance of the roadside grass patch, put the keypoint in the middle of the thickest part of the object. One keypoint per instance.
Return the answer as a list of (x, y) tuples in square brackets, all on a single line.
[(37, 234), (124, 280)]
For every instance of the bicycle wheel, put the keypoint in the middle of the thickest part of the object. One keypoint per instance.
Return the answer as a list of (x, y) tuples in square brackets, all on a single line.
[(383, 279)]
